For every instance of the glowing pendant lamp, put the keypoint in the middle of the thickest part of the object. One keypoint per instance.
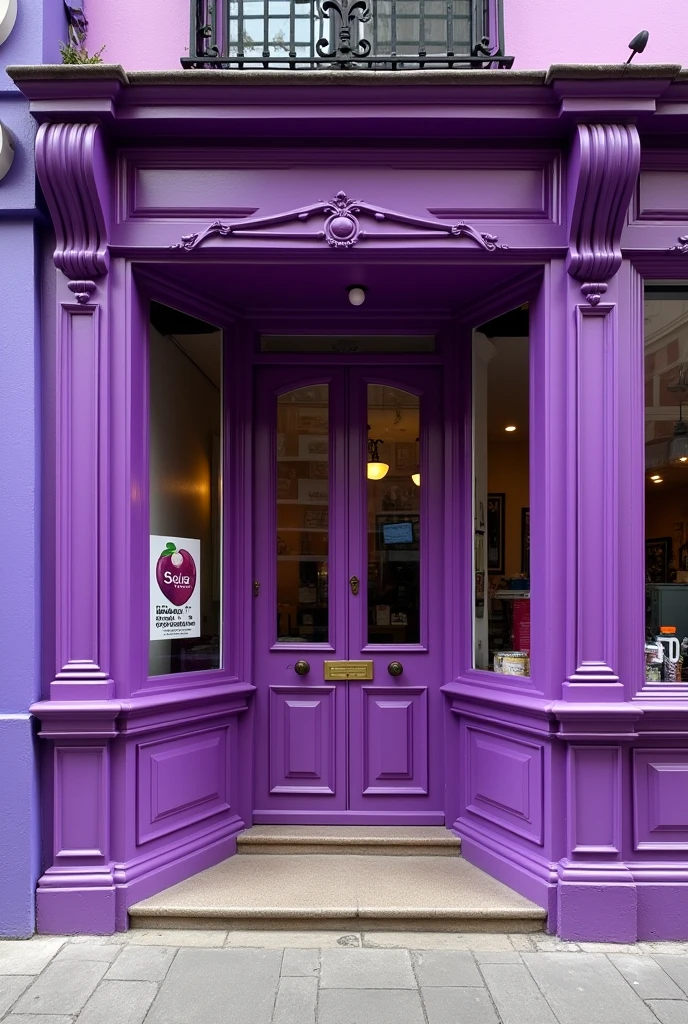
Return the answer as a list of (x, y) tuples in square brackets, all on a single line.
[(375, 469)]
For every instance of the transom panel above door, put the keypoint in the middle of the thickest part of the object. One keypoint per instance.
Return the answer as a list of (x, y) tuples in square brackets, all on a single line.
[(347, 492)]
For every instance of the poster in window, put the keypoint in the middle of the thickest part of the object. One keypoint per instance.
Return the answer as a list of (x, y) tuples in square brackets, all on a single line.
[(175, 587)]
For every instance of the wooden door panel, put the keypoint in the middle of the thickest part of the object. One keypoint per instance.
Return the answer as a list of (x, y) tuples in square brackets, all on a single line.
[(303, 739), (392, 758)]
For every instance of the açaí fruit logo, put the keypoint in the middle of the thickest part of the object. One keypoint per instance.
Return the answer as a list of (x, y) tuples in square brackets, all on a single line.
[(176, 574)]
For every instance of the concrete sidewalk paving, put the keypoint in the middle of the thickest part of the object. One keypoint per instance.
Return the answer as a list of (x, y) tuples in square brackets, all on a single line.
[(175, 977)]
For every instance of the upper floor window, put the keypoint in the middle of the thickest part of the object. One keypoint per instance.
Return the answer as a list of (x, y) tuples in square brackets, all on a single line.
[(384, 34)]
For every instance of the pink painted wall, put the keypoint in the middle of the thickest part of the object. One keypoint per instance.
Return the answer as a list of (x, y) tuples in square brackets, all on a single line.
[(537, 32), (543, 32)]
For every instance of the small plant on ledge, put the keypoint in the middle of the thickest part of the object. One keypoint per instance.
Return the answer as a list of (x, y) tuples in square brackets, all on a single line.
[(75, 52)]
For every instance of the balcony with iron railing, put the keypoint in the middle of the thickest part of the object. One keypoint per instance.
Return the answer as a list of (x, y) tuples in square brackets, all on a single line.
[(386, 35)]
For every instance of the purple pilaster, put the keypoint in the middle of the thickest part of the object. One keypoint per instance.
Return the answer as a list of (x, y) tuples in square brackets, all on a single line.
[(595, 884), (78, 720)]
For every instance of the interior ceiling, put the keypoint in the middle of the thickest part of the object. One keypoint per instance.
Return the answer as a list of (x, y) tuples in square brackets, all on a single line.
[(400, 297), (303, 290)]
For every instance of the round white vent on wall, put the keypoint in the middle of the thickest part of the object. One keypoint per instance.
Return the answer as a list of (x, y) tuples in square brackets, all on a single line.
[(8, 16), (6, 149)]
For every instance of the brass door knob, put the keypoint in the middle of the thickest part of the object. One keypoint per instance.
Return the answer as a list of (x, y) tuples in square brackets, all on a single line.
[(395, 668), (302, 668)]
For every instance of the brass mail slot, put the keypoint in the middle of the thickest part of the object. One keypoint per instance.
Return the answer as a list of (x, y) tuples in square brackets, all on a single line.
[(348, 670)]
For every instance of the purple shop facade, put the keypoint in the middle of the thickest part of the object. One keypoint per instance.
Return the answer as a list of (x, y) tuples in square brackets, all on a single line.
[(452, 197)]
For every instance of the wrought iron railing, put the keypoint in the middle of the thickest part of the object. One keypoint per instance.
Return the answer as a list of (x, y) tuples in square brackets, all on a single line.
[(364, 34)]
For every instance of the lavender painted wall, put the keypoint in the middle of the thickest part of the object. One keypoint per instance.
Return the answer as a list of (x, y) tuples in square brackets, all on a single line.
[(537, 32), (34, 38)]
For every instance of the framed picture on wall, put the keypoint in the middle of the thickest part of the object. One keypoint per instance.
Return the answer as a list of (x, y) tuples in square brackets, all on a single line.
[(657, 558), (496, 508), (525, 541)]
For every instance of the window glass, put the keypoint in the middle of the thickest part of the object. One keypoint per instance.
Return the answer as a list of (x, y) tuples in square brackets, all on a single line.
[(185, 481), (501, 512), (394, 516), (303, 502), (666, 483)]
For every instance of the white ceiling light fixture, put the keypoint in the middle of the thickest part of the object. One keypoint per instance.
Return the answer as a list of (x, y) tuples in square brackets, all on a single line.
[(510, 430), (357, 295)]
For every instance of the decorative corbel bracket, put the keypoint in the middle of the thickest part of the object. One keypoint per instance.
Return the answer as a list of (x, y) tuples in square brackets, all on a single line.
[(604, 166), (71, 167)]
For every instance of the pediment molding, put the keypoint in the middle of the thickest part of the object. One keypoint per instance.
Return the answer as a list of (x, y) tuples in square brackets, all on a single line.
[(345, 223)]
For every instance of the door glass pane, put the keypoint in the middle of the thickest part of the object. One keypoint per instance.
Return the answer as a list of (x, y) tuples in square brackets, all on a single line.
[(302, 514), (393, 488)]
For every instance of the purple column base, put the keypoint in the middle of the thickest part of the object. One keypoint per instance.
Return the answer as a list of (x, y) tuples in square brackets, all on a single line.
[(87, 911), (662, 911), (590, 912)]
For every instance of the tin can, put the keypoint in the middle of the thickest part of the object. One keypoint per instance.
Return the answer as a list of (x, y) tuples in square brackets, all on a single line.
[(515, 663), (654, 656)]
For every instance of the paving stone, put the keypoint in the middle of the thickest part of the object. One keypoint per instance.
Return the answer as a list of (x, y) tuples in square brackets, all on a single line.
[(646, 977), (454, 1005), (445, 968), (669, 1011), (119, 1002), (517, 997), (366, 968), (551, 944), (300, 963), (586, 988), (667, 948), (97, 951), (296, 999), (37, 1018), (486, 957), (11, 988), (676, 968), (177, 937), (522, 943), (276, 939), (141, 963), (213, 985), (485, 941), (28, 956), (414, 940), (62, 988), (369, 1006), (633, 949)]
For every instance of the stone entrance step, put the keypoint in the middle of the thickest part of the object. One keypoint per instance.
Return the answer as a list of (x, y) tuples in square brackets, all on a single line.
[(368, 840), (359, 893)]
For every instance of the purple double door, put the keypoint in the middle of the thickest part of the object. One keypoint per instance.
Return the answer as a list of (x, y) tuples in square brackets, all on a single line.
[(348, 631)]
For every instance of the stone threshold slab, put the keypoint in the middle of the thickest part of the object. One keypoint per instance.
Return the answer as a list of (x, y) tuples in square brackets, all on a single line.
[(394, 841), (399, 893)]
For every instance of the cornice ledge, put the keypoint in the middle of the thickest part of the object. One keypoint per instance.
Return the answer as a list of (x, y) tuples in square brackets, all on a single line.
[(612, 72), (20, 73), (77, 718), (144, 703), (596, 721), (351, 78), (477, 693)]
